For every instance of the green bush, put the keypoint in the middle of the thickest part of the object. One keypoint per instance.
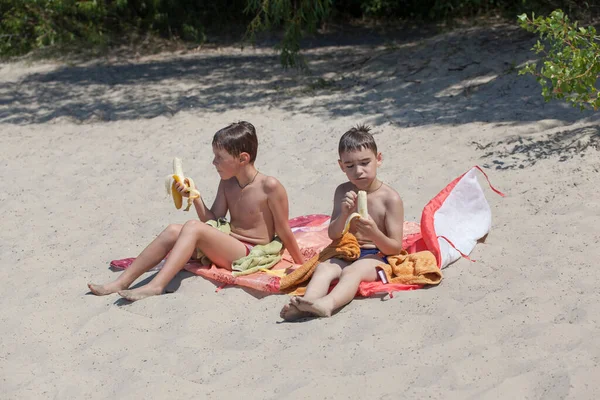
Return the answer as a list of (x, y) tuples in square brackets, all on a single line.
[(30, 24), (295, 16), (570, 63), (37, 23)]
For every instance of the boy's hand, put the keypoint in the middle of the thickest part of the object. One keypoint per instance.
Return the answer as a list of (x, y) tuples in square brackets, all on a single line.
[(366, 227), (182, 189), (349, 203)]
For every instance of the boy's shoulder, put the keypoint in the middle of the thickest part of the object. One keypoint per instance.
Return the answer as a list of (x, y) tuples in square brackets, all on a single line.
[(390, 195), (270, 184)]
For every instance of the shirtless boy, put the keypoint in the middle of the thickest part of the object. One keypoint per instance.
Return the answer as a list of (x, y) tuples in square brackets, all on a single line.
[(378, 236), (258, 209)]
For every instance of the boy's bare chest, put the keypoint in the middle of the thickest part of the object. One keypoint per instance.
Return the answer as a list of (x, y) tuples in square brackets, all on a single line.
[(247, 201), (377, 212)]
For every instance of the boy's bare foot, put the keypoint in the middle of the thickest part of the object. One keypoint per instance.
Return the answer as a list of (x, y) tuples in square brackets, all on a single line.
[(290, 312), (314, 308), (139, 293), (103, 290)]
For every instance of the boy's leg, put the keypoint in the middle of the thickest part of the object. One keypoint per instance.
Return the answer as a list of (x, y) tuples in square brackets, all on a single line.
[(362, 270), (318, 286), (148, 258), (324, 274), (221, 248)]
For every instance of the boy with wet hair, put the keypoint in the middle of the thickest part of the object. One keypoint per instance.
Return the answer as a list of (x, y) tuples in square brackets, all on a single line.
[(378, 235), (258, 208)]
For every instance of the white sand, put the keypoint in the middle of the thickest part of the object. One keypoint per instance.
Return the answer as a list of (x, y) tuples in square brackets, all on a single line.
[(84, 150)]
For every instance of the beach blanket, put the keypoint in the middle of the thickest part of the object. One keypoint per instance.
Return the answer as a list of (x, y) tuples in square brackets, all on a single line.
[(311, 234), (451, 225)]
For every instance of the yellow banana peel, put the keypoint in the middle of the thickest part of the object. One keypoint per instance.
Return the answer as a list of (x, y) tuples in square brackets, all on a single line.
[(178, 177), (361, 207)]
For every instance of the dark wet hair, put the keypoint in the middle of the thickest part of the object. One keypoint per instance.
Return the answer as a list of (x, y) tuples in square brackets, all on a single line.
[(356, 139), (237, 138)]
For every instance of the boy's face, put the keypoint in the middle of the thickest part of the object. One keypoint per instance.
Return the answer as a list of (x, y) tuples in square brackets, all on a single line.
[(226, 164), (360, 166)]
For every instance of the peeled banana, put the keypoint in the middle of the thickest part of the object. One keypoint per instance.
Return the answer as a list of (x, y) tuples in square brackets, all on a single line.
[(178, 177), (361, 206)]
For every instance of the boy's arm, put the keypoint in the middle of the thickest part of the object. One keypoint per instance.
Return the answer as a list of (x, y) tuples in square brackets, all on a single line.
[(279, 206), (341, 210), (394, 224), (218, 209)]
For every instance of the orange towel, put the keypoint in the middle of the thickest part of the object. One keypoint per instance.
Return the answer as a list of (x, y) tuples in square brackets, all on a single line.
[(346, 248), (413, 269), (408, 269)]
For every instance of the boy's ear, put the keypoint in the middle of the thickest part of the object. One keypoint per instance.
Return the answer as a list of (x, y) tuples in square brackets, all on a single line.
[(244, 158), (341, 165), (379, 159)]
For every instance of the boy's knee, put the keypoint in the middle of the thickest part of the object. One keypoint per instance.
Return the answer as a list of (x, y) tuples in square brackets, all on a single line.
[(194, 226), (172, 231), (327, 269)]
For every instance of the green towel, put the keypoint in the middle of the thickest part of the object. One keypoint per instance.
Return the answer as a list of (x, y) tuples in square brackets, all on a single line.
[(262, 256)]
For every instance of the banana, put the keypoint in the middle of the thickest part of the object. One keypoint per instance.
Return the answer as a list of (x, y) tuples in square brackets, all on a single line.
[(361, 206), (178, 177)]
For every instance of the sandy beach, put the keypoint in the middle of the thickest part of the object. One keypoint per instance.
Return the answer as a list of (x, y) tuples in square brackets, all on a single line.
[(85, 148)]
